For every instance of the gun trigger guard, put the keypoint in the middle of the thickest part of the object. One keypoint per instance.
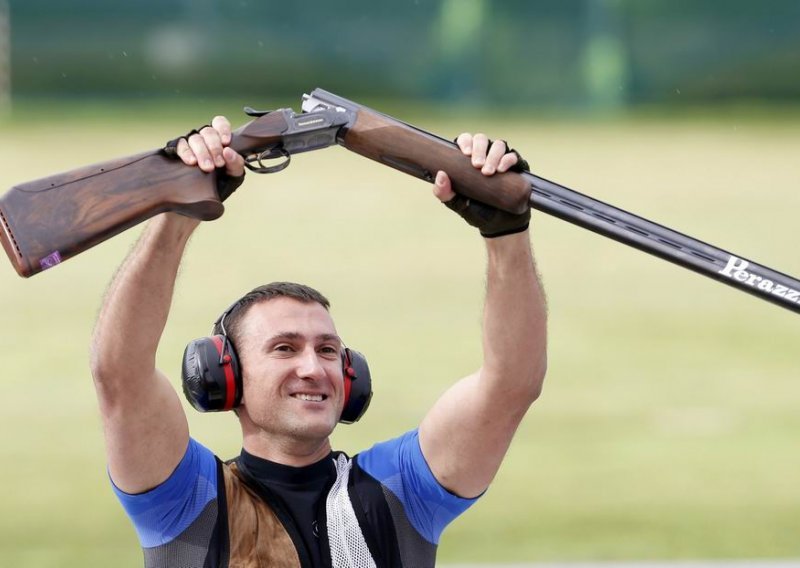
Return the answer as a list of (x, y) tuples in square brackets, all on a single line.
[(262, 169)]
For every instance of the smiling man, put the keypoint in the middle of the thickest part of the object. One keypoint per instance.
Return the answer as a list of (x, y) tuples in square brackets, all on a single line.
[(278, 362)]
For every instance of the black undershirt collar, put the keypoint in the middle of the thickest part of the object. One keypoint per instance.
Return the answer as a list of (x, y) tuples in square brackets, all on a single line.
[(301, 477)]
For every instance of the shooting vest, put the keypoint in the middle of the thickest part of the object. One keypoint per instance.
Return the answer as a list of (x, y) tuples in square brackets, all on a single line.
[(382, 508), (262, 533), (362, 525)]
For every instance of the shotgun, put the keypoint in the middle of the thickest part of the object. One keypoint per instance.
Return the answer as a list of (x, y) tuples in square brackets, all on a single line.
[(44, 222)]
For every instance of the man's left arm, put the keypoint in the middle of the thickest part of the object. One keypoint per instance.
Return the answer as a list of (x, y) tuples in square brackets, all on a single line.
[(466, 434)]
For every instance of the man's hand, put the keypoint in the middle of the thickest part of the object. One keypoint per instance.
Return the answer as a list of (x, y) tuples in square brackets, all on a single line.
[(208, 149), (496, 158)]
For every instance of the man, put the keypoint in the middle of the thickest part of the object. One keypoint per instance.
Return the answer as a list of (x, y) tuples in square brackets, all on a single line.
[(288, 500)]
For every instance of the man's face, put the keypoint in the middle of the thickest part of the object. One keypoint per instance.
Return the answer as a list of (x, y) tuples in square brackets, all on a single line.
[(292, 368)]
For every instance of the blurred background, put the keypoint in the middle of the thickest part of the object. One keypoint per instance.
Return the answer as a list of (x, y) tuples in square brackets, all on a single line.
[(592, 53), (669, 426)]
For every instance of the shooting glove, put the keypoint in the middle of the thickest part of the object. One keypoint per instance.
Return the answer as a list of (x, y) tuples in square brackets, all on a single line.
[(491, 221), (522, 163), (226, 184)]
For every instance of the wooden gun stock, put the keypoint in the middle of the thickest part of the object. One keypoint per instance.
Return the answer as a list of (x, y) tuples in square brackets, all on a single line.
[(46, 221)]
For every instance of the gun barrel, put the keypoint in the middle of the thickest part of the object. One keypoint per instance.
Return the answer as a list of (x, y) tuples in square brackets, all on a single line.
[(663, 242)]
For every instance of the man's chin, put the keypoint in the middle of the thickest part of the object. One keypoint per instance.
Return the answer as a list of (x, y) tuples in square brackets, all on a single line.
[(304, 427), (312, 429)]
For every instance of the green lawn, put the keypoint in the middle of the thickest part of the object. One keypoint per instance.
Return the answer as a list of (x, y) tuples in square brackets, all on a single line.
[(670, 422)]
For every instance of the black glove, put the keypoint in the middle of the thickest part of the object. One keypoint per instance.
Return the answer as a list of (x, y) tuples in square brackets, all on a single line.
[(522, 163), (226, 184), (491, 221)]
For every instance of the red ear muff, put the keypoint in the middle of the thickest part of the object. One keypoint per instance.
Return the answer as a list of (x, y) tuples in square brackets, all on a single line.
[(357, 386), (210, 374)]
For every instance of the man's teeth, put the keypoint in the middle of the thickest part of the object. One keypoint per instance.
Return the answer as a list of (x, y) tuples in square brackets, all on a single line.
[(311, 397)]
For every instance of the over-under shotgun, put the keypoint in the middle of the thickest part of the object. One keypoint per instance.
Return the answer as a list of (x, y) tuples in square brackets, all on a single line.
[(46, 221)]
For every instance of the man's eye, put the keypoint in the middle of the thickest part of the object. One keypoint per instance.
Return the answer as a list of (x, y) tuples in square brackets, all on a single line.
[(329, 350), (283, 348)]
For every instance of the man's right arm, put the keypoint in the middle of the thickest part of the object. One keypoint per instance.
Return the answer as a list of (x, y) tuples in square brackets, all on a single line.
[(145, 427)]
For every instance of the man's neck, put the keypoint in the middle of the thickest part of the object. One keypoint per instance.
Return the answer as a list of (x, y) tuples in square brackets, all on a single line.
[(292, 452)]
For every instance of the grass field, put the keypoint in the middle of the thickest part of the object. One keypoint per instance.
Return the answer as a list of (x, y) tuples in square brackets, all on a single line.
[(669, 427)]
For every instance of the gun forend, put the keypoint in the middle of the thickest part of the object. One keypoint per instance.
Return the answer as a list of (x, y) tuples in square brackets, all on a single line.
[(418, 153)]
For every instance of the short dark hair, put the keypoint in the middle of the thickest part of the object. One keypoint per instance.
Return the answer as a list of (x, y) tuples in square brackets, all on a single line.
[(232, 317)]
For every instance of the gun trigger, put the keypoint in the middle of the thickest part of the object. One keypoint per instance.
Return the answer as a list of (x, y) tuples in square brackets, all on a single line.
[(265, 155), (250, 111)]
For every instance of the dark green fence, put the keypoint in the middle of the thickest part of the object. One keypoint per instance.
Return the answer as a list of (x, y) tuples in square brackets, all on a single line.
[(543, 52)]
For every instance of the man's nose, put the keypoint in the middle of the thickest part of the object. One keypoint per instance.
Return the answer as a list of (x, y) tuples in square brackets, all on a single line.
[(310, 365)]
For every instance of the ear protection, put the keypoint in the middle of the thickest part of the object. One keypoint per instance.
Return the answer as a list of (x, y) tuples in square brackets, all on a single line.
[(212, 377), (357, 386)]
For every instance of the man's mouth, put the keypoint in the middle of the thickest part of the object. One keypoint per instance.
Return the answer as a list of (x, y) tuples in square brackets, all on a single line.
[(310, 397)]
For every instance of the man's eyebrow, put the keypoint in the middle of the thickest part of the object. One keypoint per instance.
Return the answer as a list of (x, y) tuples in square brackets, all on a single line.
[(284, 335), (329, 337), (293, 335)]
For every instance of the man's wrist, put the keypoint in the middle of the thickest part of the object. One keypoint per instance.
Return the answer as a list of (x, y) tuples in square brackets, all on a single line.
[(174, 224), (511, 240), (506, 232)]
